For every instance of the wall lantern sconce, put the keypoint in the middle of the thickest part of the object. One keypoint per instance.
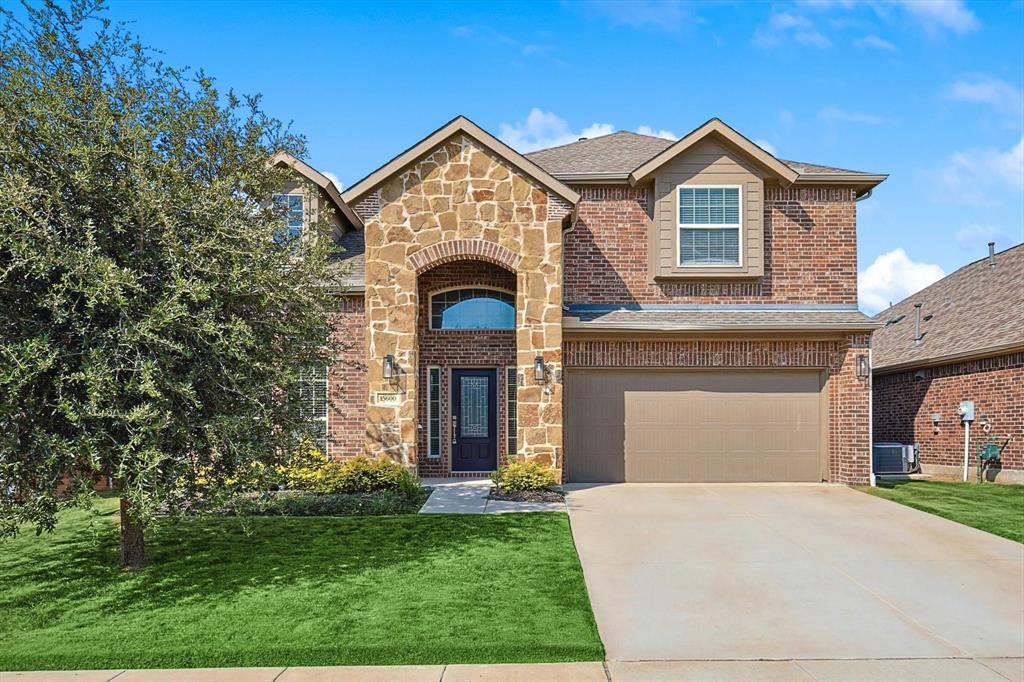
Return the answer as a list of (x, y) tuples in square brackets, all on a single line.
[(389, 367), (863, 367), (539, 370)]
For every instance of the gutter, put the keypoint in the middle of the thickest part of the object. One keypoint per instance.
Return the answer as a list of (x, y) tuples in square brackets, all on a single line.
[(951, 358)]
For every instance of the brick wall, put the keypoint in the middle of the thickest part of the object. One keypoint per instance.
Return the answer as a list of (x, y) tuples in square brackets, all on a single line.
[(347, 391), (848, 396), (903, 408), (448, 348), (810, 251)]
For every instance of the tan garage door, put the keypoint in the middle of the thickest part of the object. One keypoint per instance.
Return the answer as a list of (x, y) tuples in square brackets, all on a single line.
[(668, 426)]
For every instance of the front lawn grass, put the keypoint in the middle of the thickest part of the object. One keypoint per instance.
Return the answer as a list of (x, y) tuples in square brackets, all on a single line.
[(278, 591), (998, 509)]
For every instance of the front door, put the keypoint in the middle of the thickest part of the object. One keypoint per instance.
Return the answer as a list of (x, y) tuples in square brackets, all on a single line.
[(474, 420)]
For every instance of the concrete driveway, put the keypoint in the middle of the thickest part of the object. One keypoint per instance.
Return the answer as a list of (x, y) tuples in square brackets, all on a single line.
[(721, 572)]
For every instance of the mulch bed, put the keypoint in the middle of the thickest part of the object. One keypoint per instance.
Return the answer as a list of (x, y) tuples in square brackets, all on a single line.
[(528, 496)]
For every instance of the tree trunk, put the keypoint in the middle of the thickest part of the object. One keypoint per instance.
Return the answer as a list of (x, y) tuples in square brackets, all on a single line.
[(133, 545)]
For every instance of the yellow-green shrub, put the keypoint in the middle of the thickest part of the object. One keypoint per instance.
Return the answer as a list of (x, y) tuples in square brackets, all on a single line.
[(313, 471), (519, 475)]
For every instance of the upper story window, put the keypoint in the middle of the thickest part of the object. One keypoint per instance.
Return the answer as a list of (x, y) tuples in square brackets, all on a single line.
[(473, 308), (294, 206), (709, 226)]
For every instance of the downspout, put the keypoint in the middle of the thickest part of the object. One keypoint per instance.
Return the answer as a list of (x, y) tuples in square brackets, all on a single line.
[(871, 415), (866, 195)]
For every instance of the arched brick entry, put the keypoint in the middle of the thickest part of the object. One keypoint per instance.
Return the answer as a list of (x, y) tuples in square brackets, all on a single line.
[(461, 202), (464, 249)]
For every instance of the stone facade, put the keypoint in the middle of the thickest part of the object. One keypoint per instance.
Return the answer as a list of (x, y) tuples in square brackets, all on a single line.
[(460, 202), (904, 403), (810, 251), (848, 397)]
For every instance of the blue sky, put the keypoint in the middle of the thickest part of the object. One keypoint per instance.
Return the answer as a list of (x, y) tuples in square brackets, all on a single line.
[(929, 92)]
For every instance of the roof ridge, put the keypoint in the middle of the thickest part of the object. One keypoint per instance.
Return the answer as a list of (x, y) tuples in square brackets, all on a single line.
[(584, 139), (946, 278)]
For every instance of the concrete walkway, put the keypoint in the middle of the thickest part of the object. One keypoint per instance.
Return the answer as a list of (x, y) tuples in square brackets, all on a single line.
[(469, 496), (910, 670)]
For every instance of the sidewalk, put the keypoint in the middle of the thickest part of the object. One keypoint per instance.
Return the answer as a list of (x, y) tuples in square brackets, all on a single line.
[(875, 670), (469, 496)]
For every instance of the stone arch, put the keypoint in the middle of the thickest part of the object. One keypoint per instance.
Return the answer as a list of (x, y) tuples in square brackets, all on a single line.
[(464, 249)]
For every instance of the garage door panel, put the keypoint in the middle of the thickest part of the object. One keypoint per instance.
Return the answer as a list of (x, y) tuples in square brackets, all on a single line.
[(649, 426)]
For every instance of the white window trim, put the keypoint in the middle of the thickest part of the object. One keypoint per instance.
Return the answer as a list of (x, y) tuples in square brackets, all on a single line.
[(326, 419), (430, 399), (741, 241), (430, 306)]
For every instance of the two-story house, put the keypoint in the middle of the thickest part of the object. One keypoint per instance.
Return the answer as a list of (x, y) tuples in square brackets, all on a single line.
[(622, 308)]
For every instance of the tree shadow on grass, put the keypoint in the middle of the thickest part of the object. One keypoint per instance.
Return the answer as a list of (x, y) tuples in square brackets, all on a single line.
[(213, 558)]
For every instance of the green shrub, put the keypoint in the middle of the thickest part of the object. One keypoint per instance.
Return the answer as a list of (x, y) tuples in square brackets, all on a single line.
[(313, 472), (519, 475)]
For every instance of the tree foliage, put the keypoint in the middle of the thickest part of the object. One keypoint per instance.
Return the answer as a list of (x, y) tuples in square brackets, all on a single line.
[(151, 328)]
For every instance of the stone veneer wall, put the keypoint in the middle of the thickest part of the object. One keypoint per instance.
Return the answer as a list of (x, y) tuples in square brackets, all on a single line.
[(346, 382), (810, 251), (452, 348), (903, 408), (848, 397), (460, 202)]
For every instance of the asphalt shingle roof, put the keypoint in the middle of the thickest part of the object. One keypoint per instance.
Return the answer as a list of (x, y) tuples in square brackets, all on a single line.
[(766, 318), (976, 309), (350, 265), (623, 151)]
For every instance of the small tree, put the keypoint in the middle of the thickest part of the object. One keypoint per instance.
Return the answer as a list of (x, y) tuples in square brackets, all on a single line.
[(151, 328)]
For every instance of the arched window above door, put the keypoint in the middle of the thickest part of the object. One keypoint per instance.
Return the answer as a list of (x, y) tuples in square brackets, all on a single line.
[(473, 308)]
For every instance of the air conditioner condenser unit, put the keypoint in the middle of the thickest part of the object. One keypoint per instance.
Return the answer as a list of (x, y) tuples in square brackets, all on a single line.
[(893, 458)]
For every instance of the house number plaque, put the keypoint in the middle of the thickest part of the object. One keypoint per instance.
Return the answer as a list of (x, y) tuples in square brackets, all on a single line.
[(388, 399)]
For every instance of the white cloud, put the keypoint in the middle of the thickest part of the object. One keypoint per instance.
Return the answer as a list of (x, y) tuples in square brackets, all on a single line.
[(934, 16), (333, 178), (648, 130), (967, 176), (837, 115), (891, 278), (783, 26), (875, 42), (661, 15), (767, 146), (994, 92), (975, 238), (786, 117), (542, 129), (938, 15)]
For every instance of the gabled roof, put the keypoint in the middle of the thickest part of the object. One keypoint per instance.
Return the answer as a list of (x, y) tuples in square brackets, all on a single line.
[(320, 180), (613, 157), (976, 311), (717, 128), (460, 124)]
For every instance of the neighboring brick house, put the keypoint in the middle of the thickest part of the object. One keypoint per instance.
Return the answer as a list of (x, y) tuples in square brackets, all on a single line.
[(623, 308), (969, 345)]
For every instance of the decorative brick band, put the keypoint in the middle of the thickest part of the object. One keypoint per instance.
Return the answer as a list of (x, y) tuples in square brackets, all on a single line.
[(810, 193), (464, 249), (611, 193), (701, 353)]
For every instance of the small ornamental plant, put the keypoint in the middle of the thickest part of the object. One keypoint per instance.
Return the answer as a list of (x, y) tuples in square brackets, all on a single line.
[(518, 476)]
